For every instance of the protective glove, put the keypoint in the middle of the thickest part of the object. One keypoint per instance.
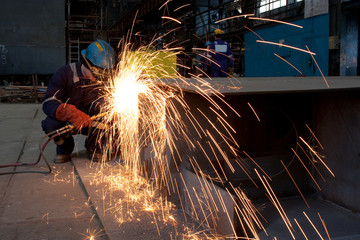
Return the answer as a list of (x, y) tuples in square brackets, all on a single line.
[(69, 113)]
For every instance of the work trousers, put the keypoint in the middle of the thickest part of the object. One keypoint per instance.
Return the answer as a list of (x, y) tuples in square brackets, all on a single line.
[(221, 71)]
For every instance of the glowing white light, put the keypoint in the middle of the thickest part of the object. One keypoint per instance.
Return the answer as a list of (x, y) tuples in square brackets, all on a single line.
[(126, 94)]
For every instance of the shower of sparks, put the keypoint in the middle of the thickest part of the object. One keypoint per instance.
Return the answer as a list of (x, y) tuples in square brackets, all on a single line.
[(146, 111), (143, 112)]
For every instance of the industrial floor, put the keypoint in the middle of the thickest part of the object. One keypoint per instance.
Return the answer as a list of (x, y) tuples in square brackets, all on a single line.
[(38, 205), (67, 205), (64, 204)]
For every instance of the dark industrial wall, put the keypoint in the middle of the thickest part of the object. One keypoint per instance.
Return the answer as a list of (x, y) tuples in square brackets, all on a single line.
[(338, 129), (349, 44), (260, 60), (32, 36)]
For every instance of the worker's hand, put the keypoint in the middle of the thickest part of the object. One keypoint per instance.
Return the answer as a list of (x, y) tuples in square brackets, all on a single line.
[(69, 113)]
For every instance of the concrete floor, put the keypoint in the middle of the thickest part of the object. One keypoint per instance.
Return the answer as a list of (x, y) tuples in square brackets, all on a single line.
[(60, 205), (66, 205), (38, 205)]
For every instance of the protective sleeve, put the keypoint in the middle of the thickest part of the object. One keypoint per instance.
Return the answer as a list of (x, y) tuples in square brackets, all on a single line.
[(55, 92)]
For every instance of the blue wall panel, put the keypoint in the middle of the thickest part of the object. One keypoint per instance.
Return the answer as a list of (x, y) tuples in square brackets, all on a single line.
[(349, 44), (260, 60), (32, 36)]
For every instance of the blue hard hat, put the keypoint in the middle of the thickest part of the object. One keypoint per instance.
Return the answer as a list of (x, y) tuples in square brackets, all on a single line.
[(100, 53), (207, 43)]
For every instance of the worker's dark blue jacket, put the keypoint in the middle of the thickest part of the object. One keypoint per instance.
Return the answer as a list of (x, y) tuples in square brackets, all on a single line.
[(68, 85), (222, 58)]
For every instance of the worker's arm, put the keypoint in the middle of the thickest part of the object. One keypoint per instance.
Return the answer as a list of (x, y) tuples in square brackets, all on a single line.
[(55, 92), (55, 101)]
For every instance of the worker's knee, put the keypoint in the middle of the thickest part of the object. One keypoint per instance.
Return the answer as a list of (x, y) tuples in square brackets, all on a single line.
[(50, 124)]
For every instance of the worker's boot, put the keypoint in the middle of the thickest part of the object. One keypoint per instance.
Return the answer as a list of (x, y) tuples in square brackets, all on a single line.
[(62, 158), (65, 146)]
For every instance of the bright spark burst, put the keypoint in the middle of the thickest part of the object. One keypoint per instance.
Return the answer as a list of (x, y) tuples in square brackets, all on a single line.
[(143, 112)]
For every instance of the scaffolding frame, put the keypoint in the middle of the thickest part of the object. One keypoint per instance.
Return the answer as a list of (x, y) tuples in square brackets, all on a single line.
[(84, 24)]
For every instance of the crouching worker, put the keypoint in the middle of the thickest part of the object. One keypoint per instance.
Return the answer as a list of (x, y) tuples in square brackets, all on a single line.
[(74, 95)]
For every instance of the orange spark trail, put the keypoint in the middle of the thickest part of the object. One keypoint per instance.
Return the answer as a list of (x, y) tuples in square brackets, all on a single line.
[(238, 16), (228, 105), (272, 197), (317, 156), (246, 172), (323, 223), (257, 165), (288, 46), (165, 3), (250, 208), (172, 19), (254, 111), (277, 21), (312, 162), (295, 184), (289, 63), (302, 231), (312, 224), (312, 177), (253, 32), (318, 68), (177, 9), (200, 203), (190, 198), (207, 157), (317, 140)]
